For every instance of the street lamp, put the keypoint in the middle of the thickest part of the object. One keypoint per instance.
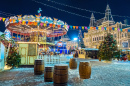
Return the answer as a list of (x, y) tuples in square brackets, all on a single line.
[(120, 49), (75, 39)]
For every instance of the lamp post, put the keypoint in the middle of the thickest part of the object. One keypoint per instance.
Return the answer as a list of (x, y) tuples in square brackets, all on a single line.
[(119, 48), (75, 39)]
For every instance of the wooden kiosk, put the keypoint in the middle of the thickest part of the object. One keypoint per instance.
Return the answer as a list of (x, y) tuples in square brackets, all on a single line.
[(2, 49), (29, 51)]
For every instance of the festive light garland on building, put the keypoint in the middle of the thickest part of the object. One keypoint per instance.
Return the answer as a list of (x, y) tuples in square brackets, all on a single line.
[(55, 25), (61, 26)]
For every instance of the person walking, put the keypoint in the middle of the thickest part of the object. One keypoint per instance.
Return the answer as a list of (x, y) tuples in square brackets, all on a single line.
[(76, 54)]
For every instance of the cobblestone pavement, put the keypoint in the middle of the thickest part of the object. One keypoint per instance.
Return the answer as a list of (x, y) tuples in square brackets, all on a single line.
[(103, 74)]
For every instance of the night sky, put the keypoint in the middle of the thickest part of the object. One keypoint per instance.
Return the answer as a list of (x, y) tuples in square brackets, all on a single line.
[(29, 7)]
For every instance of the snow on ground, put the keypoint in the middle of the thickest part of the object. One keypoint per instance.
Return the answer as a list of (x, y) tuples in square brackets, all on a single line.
[(103, 74)]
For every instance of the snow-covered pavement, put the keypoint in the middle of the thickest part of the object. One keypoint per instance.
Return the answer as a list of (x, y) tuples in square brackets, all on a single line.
[(103, 74)]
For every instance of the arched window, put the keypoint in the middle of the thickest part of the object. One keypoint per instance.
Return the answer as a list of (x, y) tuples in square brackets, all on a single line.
[(114, 35), (99, 37), (122, 35), (125, 34)]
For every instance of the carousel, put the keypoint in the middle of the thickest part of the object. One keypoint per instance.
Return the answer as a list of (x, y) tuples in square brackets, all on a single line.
[(31, 33)]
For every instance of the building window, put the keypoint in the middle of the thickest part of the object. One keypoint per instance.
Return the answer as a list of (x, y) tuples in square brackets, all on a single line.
[(115, 35), (95, 38), (122, 35), (125, 34), (125, 44), (102, 37)]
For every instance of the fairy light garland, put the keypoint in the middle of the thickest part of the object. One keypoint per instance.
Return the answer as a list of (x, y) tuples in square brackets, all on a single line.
[(61, 9), (82, 8)]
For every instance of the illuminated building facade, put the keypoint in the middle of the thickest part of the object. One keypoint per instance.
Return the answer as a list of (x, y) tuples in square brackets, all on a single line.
[(93, 38), (71, 44)]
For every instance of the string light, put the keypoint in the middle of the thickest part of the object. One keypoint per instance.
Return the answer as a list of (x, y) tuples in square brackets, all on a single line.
[(74, 7), (4, 14), (10, 14), (83, 9), (7, 13), (61, 9)]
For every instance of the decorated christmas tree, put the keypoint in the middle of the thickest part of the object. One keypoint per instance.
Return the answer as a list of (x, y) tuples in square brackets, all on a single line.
[(13, 58), (108, 48), (80, 40)]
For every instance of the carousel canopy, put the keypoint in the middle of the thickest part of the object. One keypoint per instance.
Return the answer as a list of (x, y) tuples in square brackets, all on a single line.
[(30, 24)]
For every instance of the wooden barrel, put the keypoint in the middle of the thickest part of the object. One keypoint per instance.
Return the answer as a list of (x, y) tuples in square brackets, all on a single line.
[(48, 74), (73, 55), (60, 76), (73, 63), (128, 56), (51, 53), (84, 70), (39, 67), (99, 59)]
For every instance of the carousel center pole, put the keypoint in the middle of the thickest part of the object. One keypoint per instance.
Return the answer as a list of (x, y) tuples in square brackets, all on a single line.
[(20, 36), (38, 41), (17, 36), (54, 40), (38, 35), (63, 45), (45, 38), (12, 34)]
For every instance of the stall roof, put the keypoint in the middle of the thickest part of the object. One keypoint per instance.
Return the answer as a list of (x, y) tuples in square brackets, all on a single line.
[(90, 49)]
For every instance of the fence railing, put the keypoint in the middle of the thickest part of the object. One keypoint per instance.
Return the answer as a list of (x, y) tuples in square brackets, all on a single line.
[(53, 59)]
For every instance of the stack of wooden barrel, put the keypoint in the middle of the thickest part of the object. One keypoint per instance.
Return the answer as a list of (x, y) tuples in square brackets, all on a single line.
[(84, 68), (60, 74)]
